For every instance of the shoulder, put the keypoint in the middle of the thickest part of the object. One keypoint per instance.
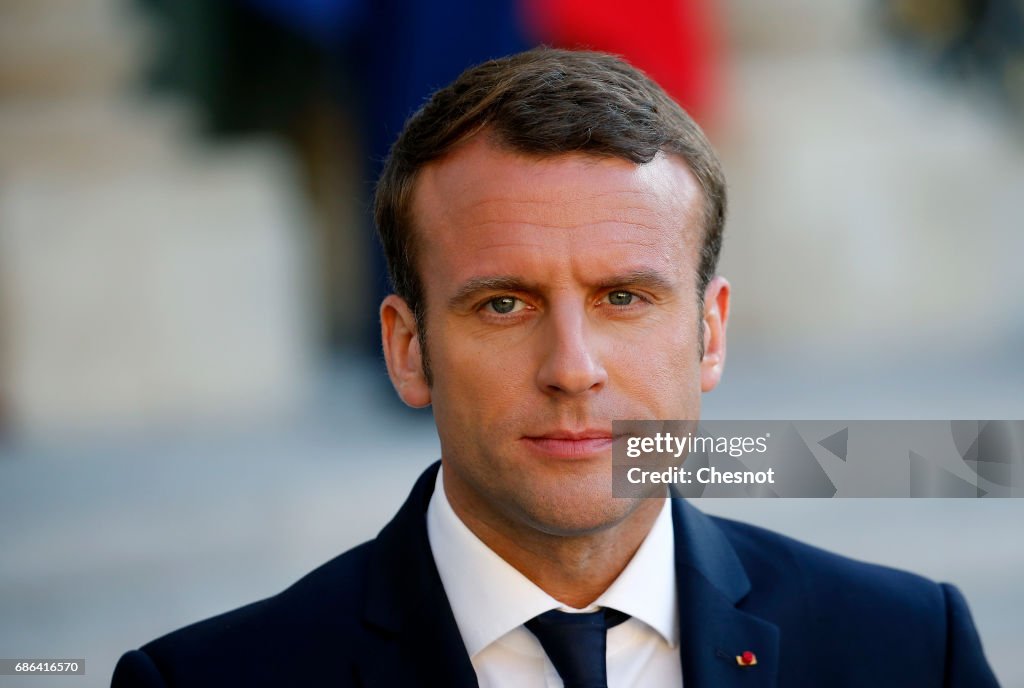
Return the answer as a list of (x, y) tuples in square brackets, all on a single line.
[(322, 600), (310, 624), (840, 612), (781, 563), (345, 614)]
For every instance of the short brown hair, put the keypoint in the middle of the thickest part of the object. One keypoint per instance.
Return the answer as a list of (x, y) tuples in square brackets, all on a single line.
[(543, 102)]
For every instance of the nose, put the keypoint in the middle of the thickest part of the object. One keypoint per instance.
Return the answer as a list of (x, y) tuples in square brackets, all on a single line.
[(571, 363)]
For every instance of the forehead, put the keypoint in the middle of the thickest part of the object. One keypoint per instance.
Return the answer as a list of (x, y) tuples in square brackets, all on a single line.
[(483, 203)]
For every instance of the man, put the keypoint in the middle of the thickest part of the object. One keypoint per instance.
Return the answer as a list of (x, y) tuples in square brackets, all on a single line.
[(552, 223)]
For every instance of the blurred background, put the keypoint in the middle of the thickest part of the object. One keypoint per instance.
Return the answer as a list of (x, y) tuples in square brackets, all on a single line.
[(193, 409)]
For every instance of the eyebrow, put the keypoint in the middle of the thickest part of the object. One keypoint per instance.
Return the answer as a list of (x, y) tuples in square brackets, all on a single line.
[(652, 279), (483, 284)]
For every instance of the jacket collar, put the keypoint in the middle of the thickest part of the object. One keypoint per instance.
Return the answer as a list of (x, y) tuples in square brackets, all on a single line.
[(711, 583), (406, 604)]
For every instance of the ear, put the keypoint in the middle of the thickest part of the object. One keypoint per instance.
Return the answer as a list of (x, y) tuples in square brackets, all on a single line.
[(402, 352), (716, 316)]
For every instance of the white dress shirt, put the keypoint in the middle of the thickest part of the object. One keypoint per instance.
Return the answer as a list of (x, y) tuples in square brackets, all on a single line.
[(491, 601)]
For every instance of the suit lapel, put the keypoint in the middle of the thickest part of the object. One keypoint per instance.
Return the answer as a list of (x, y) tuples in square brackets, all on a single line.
[(414, 639), (711, 582)]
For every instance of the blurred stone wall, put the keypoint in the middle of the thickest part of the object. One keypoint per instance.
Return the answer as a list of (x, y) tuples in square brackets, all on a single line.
[(873, 207), (144, 279)]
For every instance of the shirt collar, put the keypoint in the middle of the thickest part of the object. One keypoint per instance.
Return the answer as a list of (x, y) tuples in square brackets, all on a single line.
[(646, 588), (489, 597)]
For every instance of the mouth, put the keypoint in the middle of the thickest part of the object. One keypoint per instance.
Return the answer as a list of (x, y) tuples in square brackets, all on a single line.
[(566, 444)]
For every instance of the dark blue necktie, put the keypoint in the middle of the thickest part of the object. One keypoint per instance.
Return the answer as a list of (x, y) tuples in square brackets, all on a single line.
[(575, 644)]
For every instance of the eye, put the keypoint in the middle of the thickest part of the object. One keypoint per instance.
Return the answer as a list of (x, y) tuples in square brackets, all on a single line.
[(505, 304), (620, 298)]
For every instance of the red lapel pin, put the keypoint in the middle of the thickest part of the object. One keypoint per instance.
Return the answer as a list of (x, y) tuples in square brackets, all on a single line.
[(746, 659)]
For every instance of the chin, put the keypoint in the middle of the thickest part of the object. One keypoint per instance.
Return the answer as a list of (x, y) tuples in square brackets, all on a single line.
[(566, 516)]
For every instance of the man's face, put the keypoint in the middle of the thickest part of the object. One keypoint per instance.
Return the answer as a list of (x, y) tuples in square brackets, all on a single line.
[(560, 293)]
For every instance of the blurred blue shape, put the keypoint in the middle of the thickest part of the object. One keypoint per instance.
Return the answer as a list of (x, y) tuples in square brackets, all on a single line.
[(324, 21)]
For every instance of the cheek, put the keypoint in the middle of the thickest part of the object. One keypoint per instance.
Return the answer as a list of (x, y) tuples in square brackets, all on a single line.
[(665, 385), (476, 380), (666, 377), (473, 354)]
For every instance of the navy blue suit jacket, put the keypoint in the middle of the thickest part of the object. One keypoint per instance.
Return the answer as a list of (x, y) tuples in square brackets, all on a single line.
[(378, 616)]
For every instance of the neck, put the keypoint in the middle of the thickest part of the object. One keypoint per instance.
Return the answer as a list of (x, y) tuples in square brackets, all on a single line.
[(573, 569)]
